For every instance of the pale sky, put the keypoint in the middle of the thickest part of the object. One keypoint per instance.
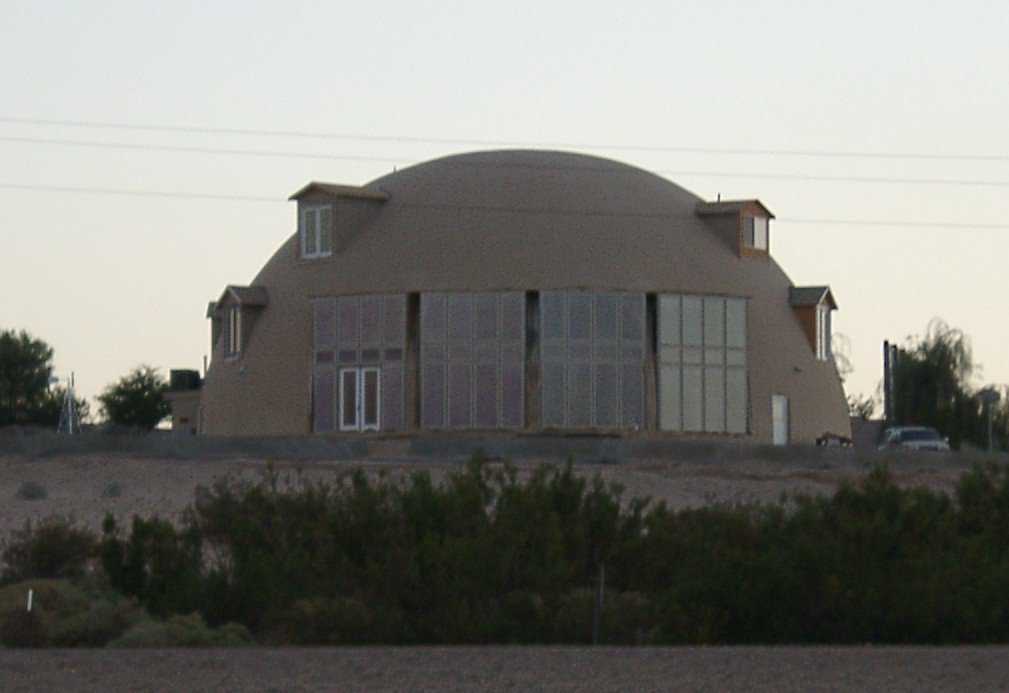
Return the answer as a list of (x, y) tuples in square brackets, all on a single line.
[(112, 281)]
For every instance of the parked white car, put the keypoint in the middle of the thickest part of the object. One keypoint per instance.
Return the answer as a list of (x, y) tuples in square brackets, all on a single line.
[(914, 438)]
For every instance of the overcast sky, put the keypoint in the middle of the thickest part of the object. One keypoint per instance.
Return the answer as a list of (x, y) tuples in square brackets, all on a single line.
[(112, 281)]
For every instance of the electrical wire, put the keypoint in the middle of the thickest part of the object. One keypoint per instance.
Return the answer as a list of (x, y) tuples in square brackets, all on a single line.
[(409, 139), (538, 211), (477, 164)]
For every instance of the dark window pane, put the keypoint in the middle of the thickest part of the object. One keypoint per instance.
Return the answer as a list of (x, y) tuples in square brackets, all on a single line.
[(552, 314), (371, 319), (513, 316), (486, 316), (553, 394), (348, 318), (512, 395), (370, 394), (459, 395), (607, 396), (579, 395), (486, 396), (606, 316), (392, 398), (323, 400), (579, 316), (432, 406), (324, 319), (432, 317), (348, 399), (395, 320)]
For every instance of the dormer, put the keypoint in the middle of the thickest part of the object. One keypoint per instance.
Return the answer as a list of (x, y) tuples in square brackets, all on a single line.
[(233, 316), (813, 306), (330, 215), (745, 225)]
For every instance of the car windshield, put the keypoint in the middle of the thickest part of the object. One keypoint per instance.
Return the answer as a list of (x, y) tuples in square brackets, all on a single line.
[(920, 434)]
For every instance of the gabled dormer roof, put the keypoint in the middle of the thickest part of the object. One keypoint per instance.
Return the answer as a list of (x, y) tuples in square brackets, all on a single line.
[(704, 209), (348, 191), (245, 296), (805, 296)]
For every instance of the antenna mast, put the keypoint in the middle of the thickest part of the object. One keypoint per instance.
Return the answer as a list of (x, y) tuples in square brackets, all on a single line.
[(70, 422)]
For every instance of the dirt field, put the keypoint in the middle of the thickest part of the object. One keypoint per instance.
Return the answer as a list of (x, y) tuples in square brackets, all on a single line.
[(376, 670), (86, 486)]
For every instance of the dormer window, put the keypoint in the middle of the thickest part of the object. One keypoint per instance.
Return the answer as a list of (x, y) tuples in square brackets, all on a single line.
[(234, 330), (755, 232), (234, 317), (744, 225), (813, 305), (822, 332), (317, 232)]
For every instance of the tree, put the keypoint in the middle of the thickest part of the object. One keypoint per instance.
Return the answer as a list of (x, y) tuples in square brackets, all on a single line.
[(861, 406), (25, 370), (932, 384), (137, 399)]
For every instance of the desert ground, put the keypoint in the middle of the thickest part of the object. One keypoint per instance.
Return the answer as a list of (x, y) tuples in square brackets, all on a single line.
[(87, 484), (87, 481), (554, 669)]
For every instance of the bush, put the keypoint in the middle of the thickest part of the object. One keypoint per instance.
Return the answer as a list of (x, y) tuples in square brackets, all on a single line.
[(54, 548), (65, 614), (322, 621), (32, 490), (23, 629), (183, 631)]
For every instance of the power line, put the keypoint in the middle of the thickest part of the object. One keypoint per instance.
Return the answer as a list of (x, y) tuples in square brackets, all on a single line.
[(409, 139), (129, 146), (136, 193), (133, 192)]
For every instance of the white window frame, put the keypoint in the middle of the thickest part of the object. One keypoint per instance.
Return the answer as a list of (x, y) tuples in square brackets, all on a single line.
[(359, 374), (234, 330), (756, 232), (761, 231), (822, 338), (315, 232)]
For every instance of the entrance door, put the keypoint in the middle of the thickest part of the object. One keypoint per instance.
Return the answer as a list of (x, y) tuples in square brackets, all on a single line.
[(779, 417), (360, 407)]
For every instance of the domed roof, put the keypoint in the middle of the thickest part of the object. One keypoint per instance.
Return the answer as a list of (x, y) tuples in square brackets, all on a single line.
[(519, 219)]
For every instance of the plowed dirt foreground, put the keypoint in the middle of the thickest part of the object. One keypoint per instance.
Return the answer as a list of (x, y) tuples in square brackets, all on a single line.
[(376, 669)]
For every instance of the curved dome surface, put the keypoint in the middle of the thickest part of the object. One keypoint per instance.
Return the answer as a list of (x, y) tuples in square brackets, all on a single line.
[(514, 219), (518, 220)]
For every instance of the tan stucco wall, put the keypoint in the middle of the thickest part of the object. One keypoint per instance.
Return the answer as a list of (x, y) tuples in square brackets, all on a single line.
[(499, 221)]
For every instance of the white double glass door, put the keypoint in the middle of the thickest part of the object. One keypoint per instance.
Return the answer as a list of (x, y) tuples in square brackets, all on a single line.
[(360, 408)]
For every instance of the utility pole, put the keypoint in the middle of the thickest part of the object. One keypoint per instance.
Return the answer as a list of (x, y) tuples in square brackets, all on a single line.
[(989, 398)]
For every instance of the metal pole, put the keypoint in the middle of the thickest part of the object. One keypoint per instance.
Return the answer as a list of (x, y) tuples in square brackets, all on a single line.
[(887, 393)]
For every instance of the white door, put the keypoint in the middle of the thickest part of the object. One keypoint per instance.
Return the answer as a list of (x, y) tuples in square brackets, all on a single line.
[(360, 404), (779, 418)]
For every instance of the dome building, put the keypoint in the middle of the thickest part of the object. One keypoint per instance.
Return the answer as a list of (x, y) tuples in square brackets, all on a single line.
[(523, 291)]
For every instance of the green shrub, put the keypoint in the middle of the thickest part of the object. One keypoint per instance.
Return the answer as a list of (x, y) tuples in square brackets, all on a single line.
[(32, 490), (322, 621), (65, 614), (23, 629), (54, 548), (183, 631)]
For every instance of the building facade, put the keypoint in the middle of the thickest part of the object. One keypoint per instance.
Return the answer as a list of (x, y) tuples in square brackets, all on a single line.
[(523, 291)]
